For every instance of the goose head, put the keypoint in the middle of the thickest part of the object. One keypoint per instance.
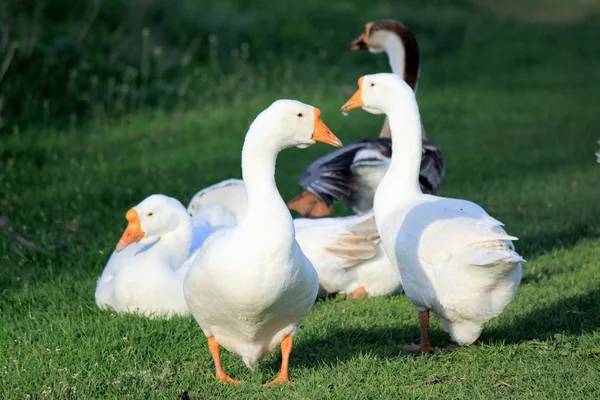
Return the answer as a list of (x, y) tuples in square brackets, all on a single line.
[(376, 33), (400, 44), (380, 94), (151, 219), (288, 123)]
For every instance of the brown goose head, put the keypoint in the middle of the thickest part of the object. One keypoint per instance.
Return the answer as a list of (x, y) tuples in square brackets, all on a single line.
[(377, 33)]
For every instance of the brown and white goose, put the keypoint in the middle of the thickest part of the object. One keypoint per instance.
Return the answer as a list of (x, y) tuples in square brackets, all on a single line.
[(354, 171)]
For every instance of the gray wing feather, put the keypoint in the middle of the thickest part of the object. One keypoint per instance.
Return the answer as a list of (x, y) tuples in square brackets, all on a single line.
[(330, 179)]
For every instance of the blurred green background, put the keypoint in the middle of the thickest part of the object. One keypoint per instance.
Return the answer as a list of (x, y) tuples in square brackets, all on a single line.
[(104, 102), (64, 60)]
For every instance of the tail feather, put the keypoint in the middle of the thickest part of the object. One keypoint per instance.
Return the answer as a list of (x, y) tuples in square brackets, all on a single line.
[(491, 237), (351, 250), (496, 256), (359, 244)]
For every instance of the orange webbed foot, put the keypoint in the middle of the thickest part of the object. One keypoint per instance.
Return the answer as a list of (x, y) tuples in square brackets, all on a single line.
[(358, 293), (280, 380), (215, 350), (282, 377), (224, 378)]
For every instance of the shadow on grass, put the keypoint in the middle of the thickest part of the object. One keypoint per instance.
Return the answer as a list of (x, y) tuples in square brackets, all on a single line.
[(547, 242), (343, 344), (544, 242), (570, 316)]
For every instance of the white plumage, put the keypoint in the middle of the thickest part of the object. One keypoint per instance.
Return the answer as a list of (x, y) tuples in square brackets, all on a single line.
[(454, 259), (251, 285), (345, 251), (146, 276)]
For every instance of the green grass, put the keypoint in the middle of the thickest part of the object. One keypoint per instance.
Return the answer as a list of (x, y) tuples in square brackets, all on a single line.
[(512, 104)]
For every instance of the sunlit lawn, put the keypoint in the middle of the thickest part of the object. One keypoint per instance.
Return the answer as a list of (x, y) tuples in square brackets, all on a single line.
[(514, 106)]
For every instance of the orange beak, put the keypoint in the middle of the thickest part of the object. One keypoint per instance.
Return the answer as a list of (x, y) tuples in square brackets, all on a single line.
[(356, 99), (133, 233), (362, 42), (322, 133)]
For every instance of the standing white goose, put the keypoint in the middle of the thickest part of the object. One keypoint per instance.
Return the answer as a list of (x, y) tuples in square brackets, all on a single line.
[(454, 259), (353, 172), (250, 285)]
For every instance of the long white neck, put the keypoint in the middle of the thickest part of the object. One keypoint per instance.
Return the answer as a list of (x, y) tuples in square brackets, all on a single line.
[(266, 209), (403, 55), (401, 181), (174, 246), (407, 69), (396, 54)]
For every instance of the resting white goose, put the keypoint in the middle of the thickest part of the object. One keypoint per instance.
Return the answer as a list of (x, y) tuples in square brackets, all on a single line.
[(454, 259), (251, 285), (346, 252), (145, 272), (354, 171)]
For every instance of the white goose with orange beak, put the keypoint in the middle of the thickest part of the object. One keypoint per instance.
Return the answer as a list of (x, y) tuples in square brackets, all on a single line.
[(353, 172), (251, 285), (145, 273), (454, 259)]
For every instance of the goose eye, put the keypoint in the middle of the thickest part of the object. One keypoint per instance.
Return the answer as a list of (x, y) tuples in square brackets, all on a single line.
[(149, 214), (300, 115), (372, 84)]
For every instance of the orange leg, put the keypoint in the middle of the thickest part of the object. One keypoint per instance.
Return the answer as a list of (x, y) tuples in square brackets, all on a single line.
[(358, 293), (424, 347), (286, 349), (215, 350)]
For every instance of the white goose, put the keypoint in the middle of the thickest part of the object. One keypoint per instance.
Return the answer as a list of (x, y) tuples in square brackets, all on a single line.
[(346, 251), (250, 285), (454, 259), (354, 171), (145, 272)]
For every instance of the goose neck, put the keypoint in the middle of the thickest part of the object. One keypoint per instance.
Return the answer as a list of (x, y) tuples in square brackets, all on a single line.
[(175, 245), (405, 166), (403, 56), (265, 204)]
